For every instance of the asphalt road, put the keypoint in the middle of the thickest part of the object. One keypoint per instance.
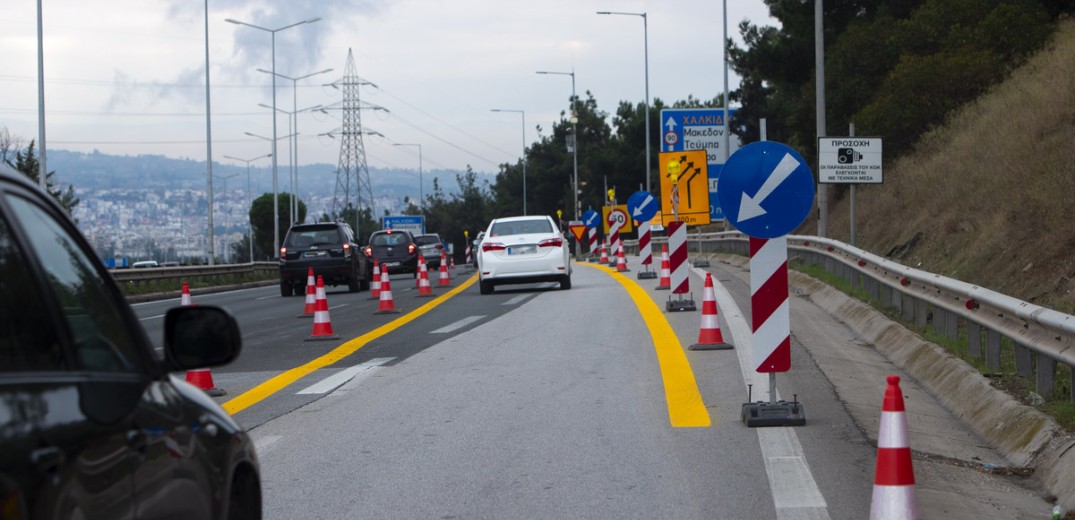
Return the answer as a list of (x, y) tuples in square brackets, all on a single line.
[(538, 403)]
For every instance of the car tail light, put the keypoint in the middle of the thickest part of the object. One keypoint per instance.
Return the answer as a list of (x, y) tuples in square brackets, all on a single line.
[(492, 246), (369, 251), (551, 242), (347, 250), (411, 248), (283, 252)]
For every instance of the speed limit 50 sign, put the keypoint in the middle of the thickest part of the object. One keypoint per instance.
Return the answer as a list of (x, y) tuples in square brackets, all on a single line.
[(619, 217)]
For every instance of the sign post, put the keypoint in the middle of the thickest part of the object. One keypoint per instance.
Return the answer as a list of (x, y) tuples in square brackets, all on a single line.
[(642, 206), (767, 190)]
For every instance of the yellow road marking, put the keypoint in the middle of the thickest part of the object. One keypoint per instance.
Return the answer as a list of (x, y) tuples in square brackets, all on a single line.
[(686, 409), (281, 381)]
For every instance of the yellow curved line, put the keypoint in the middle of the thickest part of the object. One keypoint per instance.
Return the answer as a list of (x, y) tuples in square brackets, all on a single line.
[(281, 381), (686, 409)]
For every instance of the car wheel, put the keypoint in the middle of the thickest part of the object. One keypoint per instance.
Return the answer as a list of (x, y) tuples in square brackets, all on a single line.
[(353, 284), (286, 289), (485, 287), (245, 500), (565, 282)]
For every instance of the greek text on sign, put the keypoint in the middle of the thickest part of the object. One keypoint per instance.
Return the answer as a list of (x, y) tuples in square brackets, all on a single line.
[(850, 160)]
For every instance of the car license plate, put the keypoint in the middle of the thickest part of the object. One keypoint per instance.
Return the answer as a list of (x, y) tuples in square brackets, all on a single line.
[(311, 254), (392, 264), (521, 250)]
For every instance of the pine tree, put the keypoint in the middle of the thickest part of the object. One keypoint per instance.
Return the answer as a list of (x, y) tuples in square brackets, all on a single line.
[(26, 162)]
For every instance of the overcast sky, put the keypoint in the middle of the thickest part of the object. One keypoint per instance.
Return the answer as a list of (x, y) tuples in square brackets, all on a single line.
[(128, 76)]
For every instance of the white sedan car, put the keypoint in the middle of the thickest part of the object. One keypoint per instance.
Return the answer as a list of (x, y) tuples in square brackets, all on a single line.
[(523, 250)]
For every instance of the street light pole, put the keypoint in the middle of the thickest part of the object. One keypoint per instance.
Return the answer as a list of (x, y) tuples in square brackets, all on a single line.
[(523, 113), (575, 133), (294, 153), (249, 198), (275, 185), (645, 35), (421, 195)]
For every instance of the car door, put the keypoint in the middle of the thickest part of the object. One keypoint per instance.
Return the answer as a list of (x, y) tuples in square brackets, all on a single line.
[(69, 375)]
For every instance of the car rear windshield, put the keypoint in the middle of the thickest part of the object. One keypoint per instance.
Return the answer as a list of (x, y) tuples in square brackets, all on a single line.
[(426, 240), (313, 237), (389, 239), (521, 227)]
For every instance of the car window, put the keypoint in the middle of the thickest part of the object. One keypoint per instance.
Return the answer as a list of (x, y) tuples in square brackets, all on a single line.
[(521, 227), (425, 240), (389, 239), (27, 340), (102, 340)]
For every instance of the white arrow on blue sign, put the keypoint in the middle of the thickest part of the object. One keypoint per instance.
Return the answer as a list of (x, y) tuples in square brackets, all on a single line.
[(766, 189), (591, 218), (642, 206)]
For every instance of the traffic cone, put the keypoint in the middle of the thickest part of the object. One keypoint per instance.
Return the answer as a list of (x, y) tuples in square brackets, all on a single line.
[(604, 252), (424, 288), (387, 305), (421, 268), (311, 296), (621, 263), (665, 282), (710, 337), (893, 484), (322, 322), (184, 299), (375, 286), (203, 379), (444, 280)]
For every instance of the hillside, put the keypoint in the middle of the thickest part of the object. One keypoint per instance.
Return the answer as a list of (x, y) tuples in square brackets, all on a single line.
[(989, 198)]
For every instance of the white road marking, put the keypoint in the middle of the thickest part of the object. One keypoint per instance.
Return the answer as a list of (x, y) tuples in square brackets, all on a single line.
[(516, 300), (457, 325), (334, 381), (795, 492)]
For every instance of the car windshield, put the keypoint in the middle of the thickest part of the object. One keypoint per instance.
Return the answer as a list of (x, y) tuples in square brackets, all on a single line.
[(388, 239), (312, 237), (520, 227)]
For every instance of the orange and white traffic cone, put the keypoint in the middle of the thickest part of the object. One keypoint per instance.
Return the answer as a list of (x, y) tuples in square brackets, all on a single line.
[(621, 263), (322, 322), (387, 305), (203, 379), (311, 296), (184, 299), (375, 286), (421, 267), (665, 282), (445, 280), (710, 337), (604, 252), (893, 484), (424, 289)]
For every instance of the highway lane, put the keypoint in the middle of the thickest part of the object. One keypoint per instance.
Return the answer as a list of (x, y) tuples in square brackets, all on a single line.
[(590, 376)]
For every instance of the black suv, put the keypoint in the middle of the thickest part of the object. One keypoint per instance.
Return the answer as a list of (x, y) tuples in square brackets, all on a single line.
[(93, 423), (330, 249), (394, 250)]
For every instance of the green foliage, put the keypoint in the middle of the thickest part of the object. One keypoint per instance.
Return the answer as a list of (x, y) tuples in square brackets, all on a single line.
[(26, 162), (261, 219)]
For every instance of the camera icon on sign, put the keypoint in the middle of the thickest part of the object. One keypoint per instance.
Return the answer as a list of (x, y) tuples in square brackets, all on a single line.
[(847, 155)]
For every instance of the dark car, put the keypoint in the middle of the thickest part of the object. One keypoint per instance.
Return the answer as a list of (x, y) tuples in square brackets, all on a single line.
[(330, 249), (394, 250), (431, 246), (93, 421)]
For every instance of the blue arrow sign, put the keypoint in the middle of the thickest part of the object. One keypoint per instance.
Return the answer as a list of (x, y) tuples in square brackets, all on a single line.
[(642, 206), (766, 189), (591, 218)]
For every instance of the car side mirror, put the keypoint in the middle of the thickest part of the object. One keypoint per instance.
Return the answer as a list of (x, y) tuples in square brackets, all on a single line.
[(200, 337)]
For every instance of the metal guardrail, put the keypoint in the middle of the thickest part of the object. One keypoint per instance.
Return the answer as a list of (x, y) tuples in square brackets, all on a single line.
[(1043, 337), (177, 275)]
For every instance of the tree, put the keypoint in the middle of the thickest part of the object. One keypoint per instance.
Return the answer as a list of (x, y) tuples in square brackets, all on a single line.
[(26, 163), (261, 214)]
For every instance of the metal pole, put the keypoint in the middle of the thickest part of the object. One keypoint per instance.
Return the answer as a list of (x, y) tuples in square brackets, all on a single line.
[(645, 33), (851, 133), (209, 142), (42, 168), (575, 131), (727, 124), (819, 64), (524, 160), (249, 221)]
